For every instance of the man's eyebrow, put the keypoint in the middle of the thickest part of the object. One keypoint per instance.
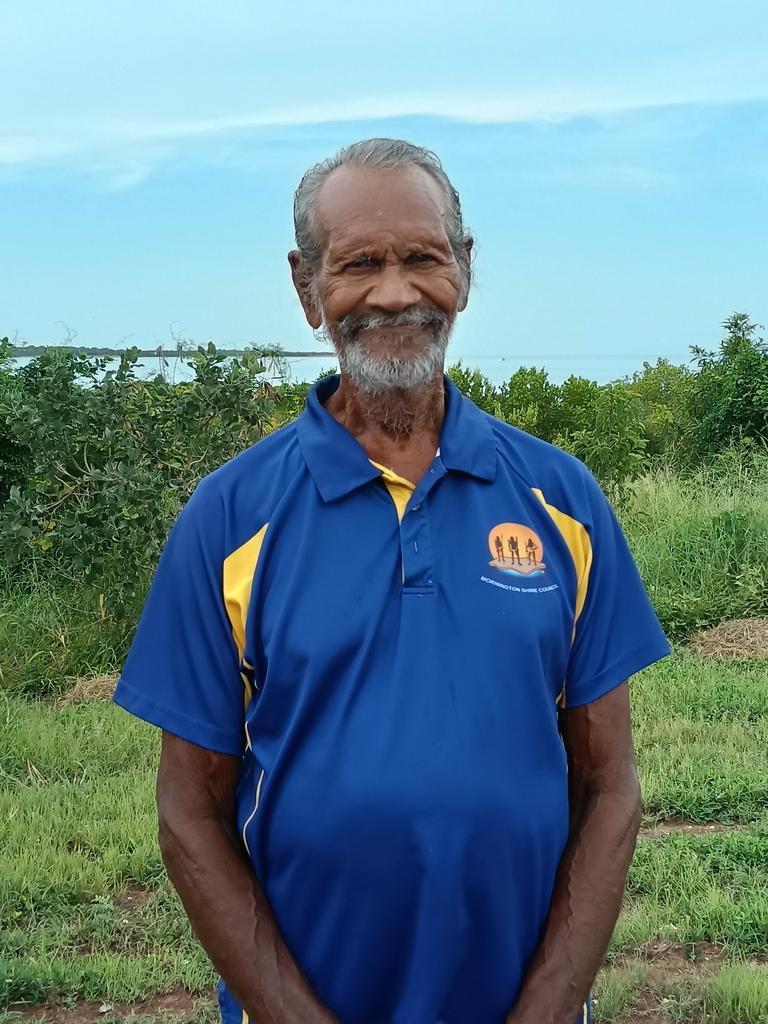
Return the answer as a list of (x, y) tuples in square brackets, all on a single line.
[(353, 252), (344, 249)]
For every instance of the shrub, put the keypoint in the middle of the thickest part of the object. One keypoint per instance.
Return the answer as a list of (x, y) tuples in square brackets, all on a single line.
[(94, 466), (578, 399), (601, 425), (15, 456), (729, 396), (114, 458), (663, 393), (476, 387), (613, 444), (530, 401)]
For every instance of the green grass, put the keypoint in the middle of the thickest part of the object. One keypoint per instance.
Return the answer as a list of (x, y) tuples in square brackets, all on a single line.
[(733, 994), (80, 782), (711, 888), (701, 732), (78, 838), (701, 542), (51, 634), (616, 991)]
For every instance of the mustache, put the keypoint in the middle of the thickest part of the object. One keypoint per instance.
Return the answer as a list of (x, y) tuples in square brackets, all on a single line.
[(351, 326)]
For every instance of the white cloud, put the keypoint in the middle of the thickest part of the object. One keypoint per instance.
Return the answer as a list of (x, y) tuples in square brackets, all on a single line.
[(115, 87), (123, 153)]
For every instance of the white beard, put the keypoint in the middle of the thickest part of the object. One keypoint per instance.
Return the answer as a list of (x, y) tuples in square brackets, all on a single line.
[(376, 375)]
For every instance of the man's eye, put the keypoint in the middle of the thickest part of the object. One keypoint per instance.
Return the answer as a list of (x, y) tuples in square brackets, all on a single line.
[(361, 261), (420, 257)]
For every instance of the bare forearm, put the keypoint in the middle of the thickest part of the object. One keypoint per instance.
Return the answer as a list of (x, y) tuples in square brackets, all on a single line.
[(584, 909), (230, 915)]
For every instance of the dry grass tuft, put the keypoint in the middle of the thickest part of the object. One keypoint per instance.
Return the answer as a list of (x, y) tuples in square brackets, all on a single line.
[(739, 638), (84, 688)]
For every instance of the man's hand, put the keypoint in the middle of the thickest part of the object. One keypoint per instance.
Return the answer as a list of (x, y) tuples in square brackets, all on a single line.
[(220, 892), (605, 818)]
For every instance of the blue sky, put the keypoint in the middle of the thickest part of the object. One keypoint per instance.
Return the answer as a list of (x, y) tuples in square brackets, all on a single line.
[(612, 161)]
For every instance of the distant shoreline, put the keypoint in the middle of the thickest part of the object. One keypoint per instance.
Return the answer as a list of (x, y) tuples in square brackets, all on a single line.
[(38, 350)]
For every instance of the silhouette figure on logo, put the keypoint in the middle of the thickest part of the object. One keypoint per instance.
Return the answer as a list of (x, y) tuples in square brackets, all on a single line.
[(514, 550), (531, 548), (499, 545)]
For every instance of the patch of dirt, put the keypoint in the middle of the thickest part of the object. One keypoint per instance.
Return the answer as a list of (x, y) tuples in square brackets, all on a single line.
[(166, 1006), (666, 826), (645, 1009), (739, 638), (83, 688), (665, 958), (133, 898), (664, 961)]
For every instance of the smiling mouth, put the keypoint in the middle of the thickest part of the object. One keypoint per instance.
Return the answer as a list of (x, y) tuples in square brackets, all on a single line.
[(406, 330), (403, 325)]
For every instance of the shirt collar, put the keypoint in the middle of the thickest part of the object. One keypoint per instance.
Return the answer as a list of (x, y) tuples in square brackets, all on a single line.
[(339, 464), (467, 441)]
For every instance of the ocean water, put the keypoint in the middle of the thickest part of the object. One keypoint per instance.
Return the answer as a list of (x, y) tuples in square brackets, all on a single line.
[(496, 368)]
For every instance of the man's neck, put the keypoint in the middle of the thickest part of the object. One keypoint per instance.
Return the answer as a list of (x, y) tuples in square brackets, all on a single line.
[(399, 429)]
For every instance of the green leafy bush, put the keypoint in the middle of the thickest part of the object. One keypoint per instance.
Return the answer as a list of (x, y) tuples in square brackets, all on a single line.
[(601, 425), (476, 387), (95, 465), (113, 458), (729, 396), (15, 456), (613, 444), (663, 393)]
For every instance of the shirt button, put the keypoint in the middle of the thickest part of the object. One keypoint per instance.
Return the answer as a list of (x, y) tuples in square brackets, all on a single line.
[(415, 508)]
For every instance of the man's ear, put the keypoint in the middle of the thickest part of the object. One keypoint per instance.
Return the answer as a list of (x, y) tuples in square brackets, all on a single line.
[(465, 268), (302, 282)]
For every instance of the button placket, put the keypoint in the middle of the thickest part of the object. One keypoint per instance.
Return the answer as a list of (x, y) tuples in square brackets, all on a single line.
[(416, 552)]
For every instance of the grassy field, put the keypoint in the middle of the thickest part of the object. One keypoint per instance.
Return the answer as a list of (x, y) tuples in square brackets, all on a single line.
[(701, 541), (90, 929), (90, 922)]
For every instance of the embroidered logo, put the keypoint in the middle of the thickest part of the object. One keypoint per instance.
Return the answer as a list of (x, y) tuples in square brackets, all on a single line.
[(516, 550)]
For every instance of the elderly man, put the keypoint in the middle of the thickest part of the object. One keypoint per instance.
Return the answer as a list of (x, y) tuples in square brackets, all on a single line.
[(397, 783)]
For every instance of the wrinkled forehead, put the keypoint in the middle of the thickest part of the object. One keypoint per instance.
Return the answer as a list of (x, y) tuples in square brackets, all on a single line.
[(373, 205)]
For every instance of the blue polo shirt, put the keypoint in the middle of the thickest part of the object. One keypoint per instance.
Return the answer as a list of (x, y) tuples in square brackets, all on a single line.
[(389, 662)]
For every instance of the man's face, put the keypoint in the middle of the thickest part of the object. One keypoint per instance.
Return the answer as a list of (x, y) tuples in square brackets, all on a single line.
[(389, 286)]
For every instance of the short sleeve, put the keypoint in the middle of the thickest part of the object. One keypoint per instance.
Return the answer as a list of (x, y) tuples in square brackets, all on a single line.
[(182, 671), (618, 632)]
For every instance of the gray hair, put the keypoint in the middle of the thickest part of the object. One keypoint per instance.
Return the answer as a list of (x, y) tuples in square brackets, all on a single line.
[(374, 153)]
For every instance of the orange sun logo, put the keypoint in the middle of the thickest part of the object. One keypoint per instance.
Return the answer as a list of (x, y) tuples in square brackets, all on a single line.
[(516, 549)]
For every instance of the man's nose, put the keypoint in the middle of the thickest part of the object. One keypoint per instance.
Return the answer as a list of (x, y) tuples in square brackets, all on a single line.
[(393, 290)]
